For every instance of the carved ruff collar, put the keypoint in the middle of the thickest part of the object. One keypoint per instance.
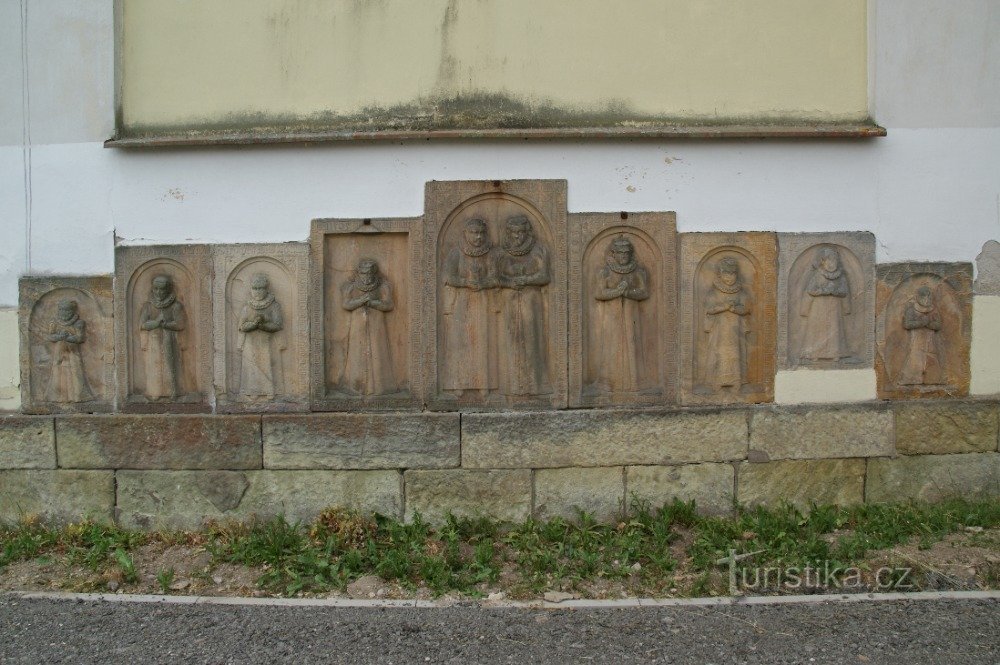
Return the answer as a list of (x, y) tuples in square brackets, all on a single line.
[(261, 304), (166, 302), (68, 322), (622, 270), (735, 288), (367, 286), (920, 308), (519, 250), (831, 275), (469, 250)]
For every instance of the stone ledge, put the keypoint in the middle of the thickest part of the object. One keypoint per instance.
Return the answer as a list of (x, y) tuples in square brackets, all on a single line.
[(57, 496), (362, 441), (709, 485), (801, 482), (27, 442), (185, 499), (158, 442), (500, 493), (602, 438), (946, 427), (600, 491), (933, 477), (821, 432)]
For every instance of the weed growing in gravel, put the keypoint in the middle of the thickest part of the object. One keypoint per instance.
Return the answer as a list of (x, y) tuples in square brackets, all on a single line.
[(671, 549)]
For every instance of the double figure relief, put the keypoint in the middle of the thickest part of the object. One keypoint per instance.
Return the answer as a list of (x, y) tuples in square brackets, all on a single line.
[(494, 323)]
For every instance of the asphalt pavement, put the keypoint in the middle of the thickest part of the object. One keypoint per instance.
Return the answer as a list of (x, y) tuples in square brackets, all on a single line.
[(907, 631)]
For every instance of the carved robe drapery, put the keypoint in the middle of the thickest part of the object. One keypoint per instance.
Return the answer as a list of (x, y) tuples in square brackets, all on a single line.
[(260, 367), (620, 363), (67, 379), (825, 304), (469, 302), (159, 337), (368, 366), (727, 328), (923, 356), (523, 340)]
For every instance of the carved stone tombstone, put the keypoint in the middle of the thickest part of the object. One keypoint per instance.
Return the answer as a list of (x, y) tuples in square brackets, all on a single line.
[(163, 322), (67, 344), (923, 329), (495, 328), (365, 307), (622, 308), (261, 327), (826, 300), (727, 337), (988, 270)]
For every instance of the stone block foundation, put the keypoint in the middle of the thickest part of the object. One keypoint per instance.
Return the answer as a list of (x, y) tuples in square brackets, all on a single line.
[(176, 471)]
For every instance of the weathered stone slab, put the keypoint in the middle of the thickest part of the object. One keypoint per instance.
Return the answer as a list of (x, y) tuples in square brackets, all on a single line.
[(923, 329), (365, 314), (163, 327), (946, 427), (501, 494), (596, 438), (728, 285), (495, 314), (57, 496), (159, 442), (185, 499), (933, 477), (362, 441), (821, 432), (261, 333), (621, 349), (711, 486), (826, 300), (988, 270), (801, 482), (67, 344), (563, 492), (27, 443)]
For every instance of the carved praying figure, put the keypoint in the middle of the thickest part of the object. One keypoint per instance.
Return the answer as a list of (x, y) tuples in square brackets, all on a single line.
[(368, 366), (161, 320), (67, 379), (522, 270), (619, 287), (825, 304), (727, 308), (469, 277), (260, 318), (922, 321)]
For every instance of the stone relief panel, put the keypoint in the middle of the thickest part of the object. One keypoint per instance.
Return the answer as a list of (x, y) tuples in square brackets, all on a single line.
[(622, 314), (365, 308), (728, 285), (261, 330), (495, 319), (67, 344), (923, 329), (163, 322), (826, 300), (988, 270)]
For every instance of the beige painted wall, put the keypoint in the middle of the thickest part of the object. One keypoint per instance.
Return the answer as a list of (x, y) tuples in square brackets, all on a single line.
[(256, 62), (10, 368)]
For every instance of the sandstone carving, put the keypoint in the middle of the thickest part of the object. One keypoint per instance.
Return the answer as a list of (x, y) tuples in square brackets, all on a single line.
[(368, 366), (728, 288), (826, 300), (622, 284), (365, 329), (66, 344), (469, 305), (988, 270), (261, 327), (923, 329), (163, 316), (497, 338)]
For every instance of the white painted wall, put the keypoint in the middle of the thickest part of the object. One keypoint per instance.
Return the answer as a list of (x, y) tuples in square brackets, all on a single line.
[(930, 190)]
